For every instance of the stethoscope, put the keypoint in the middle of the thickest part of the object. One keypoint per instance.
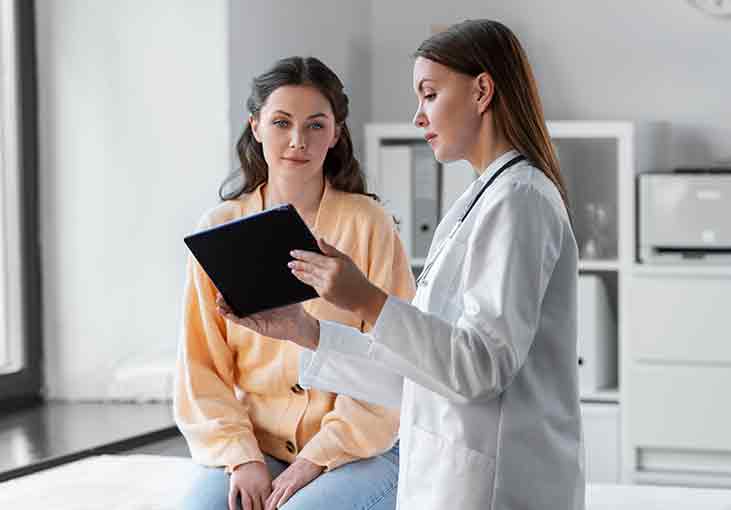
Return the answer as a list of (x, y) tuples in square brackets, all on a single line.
[(422, 277)]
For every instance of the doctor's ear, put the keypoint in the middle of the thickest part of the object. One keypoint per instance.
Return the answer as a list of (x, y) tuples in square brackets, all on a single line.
[(254, 123), (484, 91)]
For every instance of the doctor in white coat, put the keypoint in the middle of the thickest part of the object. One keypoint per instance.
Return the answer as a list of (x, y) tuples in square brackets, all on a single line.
[(483, 361)]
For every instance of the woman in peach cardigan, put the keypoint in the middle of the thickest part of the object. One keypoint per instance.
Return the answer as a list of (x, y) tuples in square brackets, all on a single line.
[(263, 441)]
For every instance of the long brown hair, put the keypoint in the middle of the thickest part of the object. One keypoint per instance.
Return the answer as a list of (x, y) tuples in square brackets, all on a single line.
[(477, 46), (340, 168)]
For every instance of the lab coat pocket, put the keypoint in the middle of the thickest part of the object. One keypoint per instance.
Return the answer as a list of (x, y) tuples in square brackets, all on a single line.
[(443, 473)]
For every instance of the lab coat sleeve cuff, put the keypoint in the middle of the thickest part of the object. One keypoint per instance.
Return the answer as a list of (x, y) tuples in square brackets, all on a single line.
[(343, 364), (334, 339), (310, 363), (383, 333)]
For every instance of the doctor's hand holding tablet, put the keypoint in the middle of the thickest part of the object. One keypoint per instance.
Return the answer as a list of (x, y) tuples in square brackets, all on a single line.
[(335, 278), (481, 362)]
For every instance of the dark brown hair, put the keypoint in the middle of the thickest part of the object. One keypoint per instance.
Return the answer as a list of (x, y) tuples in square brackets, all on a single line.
[(474, 47), (340, 168)]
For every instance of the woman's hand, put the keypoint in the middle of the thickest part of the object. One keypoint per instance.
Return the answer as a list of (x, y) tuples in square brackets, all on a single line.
[(253, 483), (338, 280), (297, 475), (289, 322)]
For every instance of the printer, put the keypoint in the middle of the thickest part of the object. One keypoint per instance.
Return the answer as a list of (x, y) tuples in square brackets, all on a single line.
[(685, 216)]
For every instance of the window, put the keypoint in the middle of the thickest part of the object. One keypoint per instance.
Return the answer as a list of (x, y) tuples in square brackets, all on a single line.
[(11, 345), (19, 283)]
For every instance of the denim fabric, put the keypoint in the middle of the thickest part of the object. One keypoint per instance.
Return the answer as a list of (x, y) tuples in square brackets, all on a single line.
[(367, 484)]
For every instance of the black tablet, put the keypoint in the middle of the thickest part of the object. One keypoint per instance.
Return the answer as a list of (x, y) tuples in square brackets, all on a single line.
[(246, 259)]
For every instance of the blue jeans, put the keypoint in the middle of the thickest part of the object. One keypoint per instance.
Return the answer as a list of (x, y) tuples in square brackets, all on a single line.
[(366, 484)]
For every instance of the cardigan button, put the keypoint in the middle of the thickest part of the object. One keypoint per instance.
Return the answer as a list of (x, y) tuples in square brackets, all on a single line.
[(297, 389), (290, 447)]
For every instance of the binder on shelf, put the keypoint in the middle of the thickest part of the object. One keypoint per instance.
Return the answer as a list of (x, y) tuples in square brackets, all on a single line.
[(395, 188), (425, 199), (409, 186)]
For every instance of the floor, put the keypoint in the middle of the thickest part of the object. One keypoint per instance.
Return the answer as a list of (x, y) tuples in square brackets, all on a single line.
[(56, 432), (172, 447)]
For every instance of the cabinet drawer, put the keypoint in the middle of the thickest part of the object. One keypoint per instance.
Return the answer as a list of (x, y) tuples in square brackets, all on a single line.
[(601, 442), (680, 407), (681, 319)]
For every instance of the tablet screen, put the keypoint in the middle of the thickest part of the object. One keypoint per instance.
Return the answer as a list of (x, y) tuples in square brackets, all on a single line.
[(246, 259)]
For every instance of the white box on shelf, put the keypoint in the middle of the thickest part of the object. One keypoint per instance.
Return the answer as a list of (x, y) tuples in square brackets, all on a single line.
[(596, 327)]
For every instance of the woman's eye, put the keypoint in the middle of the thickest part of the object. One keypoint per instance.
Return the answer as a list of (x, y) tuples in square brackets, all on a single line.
[(281, 123), (430, 97), (316, 125)]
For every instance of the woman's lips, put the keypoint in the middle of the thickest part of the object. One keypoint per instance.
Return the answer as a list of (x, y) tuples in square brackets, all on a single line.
[(296, 161)]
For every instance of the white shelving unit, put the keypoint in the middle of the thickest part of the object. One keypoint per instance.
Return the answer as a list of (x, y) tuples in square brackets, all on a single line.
[(672, 322), (600, 161), (606, 395), (710, 271), (598, 265)]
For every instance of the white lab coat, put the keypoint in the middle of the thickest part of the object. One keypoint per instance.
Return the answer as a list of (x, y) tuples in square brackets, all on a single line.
[(483, 361)]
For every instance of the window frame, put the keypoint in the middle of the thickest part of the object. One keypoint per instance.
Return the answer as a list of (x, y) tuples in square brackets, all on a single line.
[(20, 258)]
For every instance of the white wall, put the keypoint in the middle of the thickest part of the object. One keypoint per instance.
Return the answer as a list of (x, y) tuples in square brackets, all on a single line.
[(141, 103), (629, 60), (140, 107), (336, 32), (134, 140)]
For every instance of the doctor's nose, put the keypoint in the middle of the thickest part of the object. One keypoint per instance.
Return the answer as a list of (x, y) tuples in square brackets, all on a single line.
[(420, 119)]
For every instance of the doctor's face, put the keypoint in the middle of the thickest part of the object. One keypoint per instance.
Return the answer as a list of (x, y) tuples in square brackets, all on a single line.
[(296, 127), (445, 111)]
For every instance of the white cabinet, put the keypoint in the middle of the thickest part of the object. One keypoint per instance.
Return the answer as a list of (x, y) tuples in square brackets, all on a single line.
[(679, 407), (679, 420), (601, 442), (682, 319)]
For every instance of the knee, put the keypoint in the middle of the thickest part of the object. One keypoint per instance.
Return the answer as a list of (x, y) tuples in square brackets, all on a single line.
[(207, 491)]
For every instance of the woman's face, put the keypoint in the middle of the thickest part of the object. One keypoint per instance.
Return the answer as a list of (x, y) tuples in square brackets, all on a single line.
[(296, 127), (447, 111)]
